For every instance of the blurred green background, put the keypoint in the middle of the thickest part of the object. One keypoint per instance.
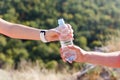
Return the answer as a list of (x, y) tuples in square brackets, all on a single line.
[(92, 20)]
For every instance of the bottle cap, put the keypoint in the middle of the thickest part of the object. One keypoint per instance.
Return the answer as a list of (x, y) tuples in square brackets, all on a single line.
[(61, 21)]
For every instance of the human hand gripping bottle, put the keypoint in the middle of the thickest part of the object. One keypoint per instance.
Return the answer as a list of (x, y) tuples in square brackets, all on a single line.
[(71, 54)]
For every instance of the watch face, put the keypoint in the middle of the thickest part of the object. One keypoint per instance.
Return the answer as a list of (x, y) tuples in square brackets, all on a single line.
[(42, 32)]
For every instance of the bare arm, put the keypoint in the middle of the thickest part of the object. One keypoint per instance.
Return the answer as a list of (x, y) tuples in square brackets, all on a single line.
[(18, 31), (106, 59), (24, 32)]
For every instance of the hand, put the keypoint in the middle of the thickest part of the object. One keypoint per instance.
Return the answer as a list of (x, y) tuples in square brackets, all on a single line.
[(54, 34), (66, 32), (79, 53)]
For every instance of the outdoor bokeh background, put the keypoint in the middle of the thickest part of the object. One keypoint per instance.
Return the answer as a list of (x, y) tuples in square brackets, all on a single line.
[(94, 23)]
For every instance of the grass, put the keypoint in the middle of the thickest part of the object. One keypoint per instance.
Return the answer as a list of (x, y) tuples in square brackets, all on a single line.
[(28, 71)]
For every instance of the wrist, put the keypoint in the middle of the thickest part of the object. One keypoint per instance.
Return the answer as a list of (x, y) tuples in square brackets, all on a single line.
[(87, 56), (47, 35), (81, 55), (43, 36)]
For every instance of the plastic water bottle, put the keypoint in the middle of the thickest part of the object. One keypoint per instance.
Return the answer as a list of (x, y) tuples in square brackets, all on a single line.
[(64, 43)]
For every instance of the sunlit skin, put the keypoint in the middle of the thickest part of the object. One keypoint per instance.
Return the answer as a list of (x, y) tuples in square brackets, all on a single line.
[(25, 32), (111, 59)]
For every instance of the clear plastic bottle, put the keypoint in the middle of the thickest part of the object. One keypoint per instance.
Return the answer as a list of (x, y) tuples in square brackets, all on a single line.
[(66, 43)]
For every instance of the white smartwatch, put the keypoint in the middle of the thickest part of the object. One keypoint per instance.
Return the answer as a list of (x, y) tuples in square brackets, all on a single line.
[(42, 36)]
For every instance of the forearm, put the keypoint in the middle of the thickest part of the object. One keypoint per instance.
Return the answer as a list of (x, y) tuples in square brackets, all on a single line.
[(19, 31), (23, 32), (104, 59)]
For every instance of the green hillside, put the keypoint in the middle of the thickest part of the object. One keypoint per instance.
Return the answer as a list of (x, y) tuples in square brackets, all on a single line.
[(92, 21)]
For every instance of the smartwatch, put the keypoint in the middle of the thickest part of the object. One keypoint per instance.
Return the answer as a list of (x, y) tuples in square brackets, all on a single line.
[(42, 36)]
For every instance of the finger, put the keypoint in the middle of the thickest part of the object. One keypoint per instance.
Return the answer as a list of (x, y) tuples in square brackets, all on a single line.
[(64, 60), (71, 47), (70, 62), (69, 37), (62, 56), (66, 31), (56, 29), (66, 56), (64, 49), (55, 32), (70, 27), (71, 31), (59, 29)]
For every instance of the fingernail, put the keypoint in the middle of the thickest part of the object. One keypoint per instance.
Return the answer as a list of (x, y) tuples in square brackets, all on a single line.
[(70, 61)]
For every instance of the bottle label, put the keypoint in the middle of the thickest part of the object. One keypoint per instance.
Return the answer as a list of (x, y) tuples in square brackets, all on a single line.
[(66, 43)]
